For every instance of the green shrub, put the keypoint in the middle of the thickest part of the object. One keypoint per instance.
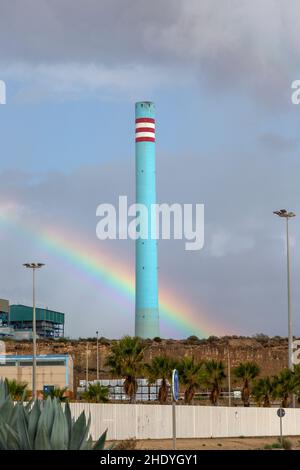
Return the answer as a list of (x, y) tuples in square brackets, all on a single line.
[(96, 393), (287, 444), (192, 339), (268, 447), (56, 392), (17, 390), (276, 445)]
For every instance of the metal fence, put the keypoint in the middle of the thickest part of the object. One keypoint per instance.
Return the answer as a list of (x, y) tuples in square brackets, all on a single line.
[(142, 421)]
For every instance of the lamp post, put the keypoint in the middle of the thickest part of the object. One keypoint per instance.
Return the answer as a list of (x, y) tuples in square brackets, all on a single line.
[(97, 334), (87, 367), (288, 215), (229, 377), (33, 266)]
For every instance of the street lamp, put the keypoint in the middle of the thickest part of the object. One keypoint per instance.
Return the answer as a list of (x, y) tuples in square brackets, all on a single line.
[(87, 367), (283, 213), (33, 266), (97, 334), (229, 376)]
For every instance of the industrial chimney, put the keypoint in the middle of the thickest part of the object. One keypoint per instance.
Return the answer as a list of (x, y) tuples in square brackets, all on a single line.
[(146, 284)]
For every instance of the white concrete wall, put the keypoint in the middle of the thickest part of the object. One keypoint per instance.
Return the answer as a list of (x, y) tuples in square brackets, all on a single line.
[(124, 421)]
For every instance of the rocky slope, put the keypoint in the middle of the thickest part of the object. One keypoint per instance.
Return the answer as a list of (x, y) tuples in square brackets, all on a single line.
[(269, 353)]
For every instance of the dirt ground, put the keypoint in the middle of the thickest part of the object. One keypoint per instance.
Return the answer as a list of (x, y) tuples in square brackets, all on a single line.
[(237, 443)]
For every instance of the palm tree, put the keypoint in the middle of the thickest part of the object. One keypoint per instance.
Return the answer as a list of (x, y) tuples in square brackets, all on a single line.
[(191, 375), (56, 392), (214, 377), (247, 371), (297, 374), (125, 360), (264, 391), (96, 393), (160, 368), (17, 390), (286, 383)]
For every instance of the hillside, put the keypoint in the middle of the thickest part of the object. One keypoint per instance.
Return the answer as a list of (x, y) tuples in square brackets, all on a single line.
[(269, 353)]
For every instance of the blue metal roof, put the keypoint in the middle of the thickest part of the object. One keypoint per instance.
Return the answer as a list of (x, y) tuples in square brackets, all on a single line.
[(43, 357), (19, 313)]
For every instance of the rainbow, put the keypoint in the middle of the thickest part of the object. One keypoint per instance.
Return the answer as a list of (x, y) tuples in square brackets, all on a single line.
[(102, 268)]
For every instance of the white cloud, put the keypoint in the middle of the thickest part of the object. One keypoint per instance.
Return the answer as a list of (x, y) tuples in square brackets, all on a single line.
[(77, 80), (223, 243)]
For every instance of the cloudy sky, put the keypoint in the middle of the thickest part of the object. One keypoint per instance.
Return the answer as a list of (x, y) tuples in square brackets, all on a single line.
[(220, 73)]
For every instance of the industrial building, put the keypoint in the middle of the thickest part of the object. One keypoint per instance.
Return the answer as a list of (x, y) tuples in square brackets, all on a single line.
[(16, 321), (5, 330), (4, 312), (51, 371)]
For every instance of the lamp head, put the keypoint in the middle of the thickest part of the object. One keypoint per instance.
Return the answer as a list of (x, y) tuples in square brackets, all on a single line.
[(33, 265)]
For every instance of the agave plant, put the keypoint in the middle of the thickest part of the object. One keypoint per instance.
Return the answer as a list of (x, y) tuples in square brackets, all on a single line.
[(43, 426)]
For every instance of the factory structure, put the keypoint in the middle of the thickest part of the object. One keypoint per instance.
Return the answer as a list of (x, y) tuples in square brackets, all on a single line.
[(146, 281), (52, 370), (16, 322)]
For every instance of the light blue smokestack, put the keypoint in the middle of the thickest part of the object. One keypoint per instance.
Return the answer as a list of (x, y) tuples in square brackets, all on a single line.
[(146, 285)]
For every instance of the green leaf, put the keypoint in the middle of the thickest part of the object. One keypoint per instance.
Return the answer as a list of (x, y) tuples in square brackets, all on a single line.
[(58, 438), (3, 392), (13, 441), (42, 441), (22, 427), (69, 421), (79, 432), (33, 420), (3, 436), (101, 442), (7, 409), (87, 445), (47, 416)]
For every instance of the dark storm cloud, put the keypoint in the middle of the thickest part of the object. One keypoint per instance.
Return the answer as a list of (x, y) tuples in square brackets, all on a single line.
[(106, 31), (243, 45)]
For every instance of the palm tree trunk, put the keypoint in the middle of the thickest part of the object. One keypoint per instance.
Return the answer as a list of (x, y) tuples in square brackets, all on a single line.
[(130, 388), (267, 403), (189, 395), (285, 401), (246, 393), (163, 392), (214, 396)]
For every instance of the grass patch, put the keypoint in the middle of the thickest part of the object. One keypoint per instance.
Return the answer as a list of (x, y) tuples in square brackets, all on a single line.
[(286, 444)]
